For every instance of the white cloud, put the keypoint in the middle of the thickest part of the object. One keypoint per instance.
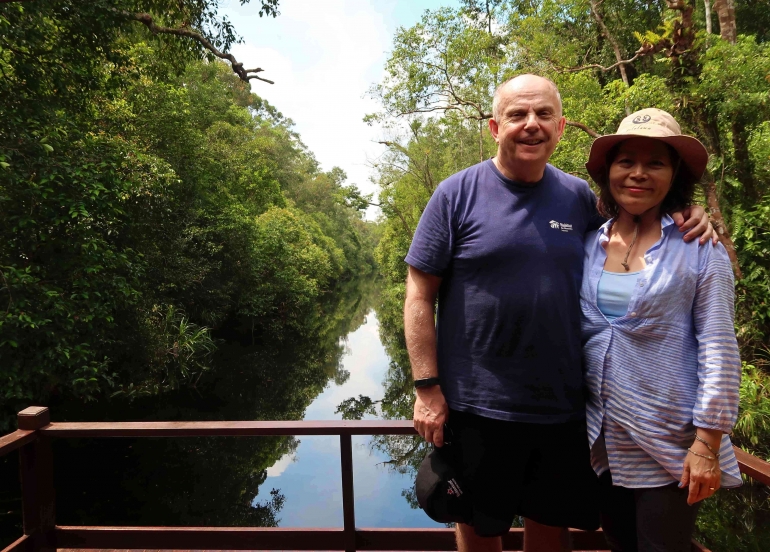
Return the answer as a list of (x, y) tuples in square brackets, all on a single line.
[(279, 467), (323, 57)]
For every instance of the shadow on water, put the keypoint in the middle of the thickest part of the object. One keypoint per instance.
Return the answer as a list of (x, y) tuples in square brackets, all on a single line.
[(198, 481)]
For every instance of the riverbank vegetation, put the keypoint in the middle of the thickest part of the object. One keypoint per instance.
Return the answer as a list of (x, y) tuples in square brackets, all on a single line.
[(201, 481), (151, 200)]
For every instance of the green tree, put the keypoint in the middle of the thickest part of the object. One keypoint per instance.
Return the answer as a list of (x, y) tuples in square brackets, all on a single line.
[(151, 199)]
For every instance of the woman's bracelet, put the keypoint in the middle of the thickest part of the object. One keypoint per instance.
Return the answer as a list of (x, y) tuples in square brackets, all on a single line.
[(701, 455), (711, 450)]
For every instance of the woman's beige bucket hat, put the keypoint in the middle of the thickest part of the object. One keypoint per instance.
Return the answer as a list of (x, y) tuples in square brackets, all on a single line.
[(649, 123)]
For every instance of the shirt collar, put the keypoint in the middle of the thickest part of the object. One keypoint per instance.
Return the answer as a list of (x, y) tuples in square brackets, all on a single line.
[(604, 229)]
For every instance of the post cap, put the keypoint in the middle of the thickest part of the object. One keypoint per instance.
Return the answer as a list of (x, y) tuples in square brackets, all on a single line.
[(34, 417)]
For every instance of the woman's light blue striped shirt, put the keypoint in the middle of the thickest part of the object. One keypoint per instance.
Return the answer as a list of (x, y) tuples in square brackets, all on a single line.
[(670, 364)]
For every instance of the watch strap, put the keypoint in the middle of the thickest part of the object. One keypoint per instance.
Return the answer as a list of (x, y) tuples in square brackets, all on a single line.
[(426, 382)]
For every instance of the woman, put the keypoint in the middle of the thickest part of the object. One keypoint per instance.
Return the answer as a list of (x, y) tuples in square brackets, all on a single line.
[(662, 362)]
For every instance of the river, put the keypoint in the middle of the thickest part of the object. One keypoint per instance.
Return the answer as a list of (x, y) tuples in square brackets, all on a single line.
[(271, 481)]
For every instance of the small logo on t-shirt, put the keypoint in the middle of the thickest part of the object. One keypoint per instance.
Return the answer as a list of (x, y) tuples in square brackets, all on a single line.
[(563, 226), (454, 489)]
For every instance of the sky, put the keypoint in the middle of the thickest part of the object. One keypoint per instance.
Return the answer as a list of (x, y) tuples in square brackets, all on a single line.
[(323, 56)]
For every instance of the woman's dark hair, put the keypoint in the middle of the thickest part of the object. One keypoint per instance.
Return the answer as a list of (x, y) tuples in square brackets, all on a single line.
[(678, 197)]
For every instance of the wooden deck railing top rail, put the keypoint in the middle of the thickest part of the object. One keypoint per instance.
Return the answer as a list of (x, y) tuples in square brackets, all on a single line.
[(33, 440), (15, 440), (227, 429)]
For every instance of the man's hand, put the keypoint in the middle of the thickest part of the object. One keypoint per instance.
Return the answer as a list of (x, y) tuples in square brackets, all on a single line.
[(430, 414), (695, 222)]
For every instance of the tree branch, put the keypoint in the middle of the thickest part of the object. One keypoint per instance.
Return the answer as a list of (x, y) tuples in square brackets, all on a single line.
[(405, 457), (448, 107), (592, 133), (146, 19), (458, 99), (615, 47), (641, 52)]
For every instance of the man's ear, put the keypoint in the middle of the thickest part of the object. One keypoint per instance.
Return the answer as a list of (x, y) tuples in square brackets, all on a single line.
[(562, 126), (493, 128)]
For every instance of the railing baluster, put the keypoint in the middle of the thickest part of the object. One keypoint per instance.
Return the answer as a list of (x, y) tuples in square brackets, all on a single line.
[(36, 471), (348, 509)]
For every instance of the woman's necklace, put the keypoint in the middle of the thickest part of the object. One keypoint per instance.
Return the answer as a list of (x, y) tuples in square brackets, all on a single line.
[(637, 221)]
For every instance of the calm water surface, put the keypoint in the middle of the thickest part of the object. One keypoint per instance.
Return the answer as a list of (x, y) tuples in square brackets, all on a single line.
[(310, 477), (261, 481)]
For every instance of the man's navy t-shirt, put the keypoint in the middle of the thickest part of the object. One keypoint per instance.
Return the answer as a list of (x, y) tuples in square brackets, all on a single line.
[(511, 259)]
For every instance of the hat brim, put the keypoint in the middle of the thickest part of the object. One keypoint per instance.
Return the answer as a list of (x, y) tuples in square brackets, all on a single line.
[(690, 150)]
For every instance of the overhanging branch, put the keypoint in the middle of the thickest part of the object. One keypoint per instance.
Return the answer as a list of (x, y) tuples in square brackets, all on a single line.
[(645, 50), (244, 74), (592, 133)]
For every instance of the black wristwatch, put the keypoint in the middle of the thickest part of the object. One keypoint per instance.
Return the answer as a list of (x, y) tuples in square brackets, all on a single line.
[(427, 382)]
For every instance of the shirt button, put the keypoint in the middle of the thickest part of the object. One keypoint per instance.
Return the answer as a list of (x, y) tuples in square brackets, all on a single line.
[(608, 357), (633, 314)]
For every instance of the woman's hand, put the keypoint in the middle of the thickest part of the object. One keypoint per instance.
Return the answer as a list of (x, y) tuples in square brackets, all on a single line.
[(701, 474)]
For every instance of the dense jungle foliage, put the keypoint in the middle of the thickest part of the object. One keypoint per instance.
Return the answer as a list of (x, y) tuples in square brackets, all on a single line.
[(148, 200)]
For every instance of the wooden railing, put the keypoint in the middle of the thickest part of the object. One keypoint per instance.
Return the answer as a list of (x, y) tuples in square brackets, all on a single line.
[(33, 440)]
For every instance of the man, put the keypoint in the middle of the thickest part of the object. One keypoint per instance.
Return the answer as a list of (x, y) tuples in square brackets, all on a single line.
[(500, 245)]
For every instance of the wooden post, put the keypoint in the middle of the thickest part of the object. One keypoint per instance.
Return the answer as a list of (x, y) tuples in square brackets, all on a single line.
[(348, 510), (36, 467)]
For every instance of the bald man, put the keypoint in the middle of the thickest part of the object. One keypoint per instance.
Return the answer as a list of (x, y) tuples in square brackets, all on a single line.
[(500, 245)]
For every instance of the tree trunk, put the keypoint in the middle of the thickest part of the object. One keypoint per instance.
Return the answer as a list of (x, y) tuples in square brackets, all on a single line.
[(744, 168), (481, 142), (707, 5), (684, 59), (726, 12), (710, 190)]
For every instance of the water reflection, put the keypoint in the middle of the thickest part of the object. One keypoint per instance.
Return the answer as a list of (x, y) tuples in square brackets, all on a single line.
[(312, 485), (202, 481)]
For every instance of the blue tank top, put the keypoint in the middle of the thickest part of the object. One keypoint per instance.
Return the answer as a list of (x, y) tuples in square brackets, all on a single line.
[(614, 293)]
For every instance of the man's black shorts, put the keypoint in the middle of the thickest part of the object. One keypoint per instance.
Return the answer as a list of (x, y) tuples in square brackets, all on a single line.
[(539, 471)]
